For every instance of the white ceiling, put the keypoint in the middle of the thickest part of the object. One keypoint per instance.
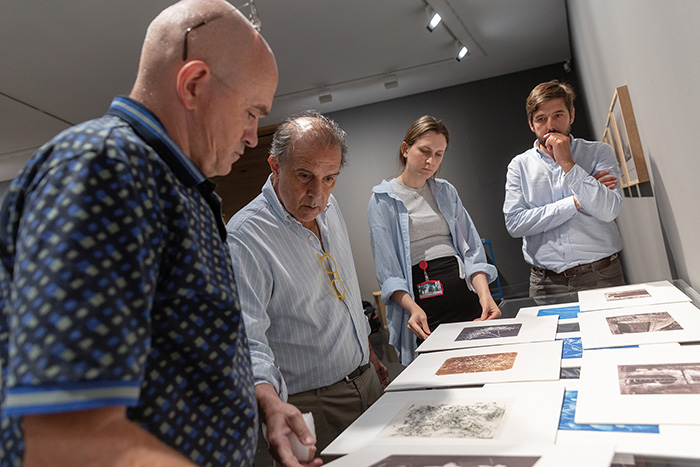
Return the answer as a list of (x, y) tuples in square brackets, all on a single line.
[(61, 62)]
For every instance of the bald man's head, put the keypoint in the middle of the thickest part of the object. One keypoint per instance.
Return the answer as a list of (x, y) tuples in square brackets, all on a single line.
[(207, 74), (218, 35)]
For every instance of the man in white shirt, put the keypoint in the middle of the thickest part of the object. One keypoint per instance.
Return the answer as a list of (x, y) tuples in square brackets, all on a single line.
[(562, 198)]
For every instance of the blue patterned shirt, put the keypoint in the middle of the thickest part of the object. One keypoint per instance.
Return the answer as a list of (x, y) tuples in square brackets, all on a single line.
[(116, 289)]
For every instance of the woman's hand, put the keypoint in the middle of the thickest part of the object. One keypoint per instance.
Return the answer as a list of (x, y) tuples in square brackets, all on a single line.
[(489, 309), (418, 323)]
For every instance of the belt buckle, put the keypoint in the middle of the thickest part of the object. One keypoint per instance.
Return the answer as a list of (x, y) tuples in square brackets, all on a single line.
[(569, 273), (353, 375)]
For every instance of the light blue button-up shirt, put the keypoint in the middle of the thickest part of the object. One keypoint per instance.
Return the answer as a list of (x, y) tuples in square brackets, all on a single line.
[(539, 206), (300, 335), (391, 246)]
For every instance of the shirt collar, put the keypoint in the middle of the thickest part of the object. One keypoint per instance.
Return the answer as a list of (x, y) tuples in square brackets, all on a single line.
[(147, 125)]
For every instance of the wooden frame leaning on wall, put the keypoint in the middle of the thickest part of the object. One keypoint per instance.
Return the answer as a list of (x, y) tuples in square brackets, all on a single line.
[(621, 133)]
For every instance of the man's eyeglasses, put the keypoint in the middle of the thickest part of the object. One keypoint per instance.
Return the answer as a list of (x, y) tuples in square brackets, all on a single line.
[(253, 18), (337, 285)]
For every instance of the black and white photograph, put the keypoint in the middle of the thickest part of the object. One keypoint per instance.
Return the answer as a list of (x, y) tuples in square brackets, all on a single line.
[(482, 419), (631, 295), (652, 324), (417, 460), (645, 322), (648, 385), (470, 334), (489, 332), (660, 378), (487, 416), (627, 295)]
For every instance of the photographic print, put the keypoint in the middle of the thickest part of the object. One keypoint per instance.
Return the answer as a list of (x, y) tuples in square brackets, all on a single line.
[(469, 334), (660, 378), (645, 322), (653, 324), (650, 385), (489, 332), (437, 460), (476, 418), (627, 295), (392, 453), (536, 361), (481, 419), (477, 363)]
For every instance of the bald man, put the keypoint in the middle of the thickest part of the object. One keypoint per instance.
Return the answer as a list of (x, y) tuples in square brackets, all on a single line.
[(121, 338)]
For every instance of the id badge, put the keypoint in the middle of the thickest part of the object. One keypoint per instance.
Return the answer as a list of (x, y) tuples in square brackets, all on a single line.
[(429, 289)]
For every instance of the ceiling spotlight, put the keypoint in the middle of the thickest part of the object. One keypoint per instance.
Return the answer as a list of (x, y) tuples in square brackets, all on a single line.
[(462, 53), (435, 19), (325, 98)]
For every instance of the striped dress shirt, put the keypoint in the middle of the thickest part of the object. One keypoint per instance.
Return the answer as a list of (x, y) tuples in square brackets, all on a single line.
[(301, 336)]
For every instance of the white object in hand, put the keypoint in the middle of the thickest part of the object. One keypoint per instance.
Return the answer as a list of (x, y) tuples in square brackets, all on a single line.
[(301, 452)]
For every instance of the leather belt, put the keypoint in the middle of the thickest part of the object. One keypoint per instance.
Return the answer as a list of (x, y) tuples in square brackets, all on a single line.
[(357, 372), (581, 268)]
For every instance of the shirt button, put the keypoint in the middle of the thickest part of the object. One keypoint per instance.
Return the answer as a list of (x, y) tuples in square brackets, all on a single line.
[(311, 237)]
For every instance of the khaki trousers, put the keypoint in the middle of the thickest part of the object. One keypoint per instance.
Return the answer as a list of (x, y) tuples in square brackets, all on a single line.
[(335, 407)]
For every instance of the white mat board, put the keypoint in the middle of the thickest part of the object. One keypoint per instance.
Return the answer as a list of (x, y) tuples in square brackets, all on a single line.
[(652, 324), (648, 293), (653, 384), (469, 334), (670, 441), (529, 416), (538, 361)]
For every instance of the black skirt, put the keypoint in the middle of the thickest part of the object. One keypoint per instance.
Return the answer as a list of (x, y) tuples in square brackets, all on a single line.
[(457, 303)]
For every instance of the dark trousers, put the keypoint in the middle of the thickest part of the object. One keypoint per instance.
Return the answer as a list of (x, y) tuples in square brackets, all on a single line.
[(542, 284), (456, 304)]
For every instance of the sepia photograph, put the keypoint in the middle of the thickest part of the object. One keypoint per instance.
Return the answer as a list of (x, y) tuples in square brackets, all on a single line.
[(652, 324), (660, 378), (477, 363), (644, 322), (436, 460), (627, 295), (489, 332), (482, 419)]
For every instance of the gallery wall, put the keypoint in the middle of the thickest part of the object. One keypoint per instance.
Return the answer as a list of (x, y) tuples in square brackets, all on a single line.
[(651, 47), (488, 126)]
